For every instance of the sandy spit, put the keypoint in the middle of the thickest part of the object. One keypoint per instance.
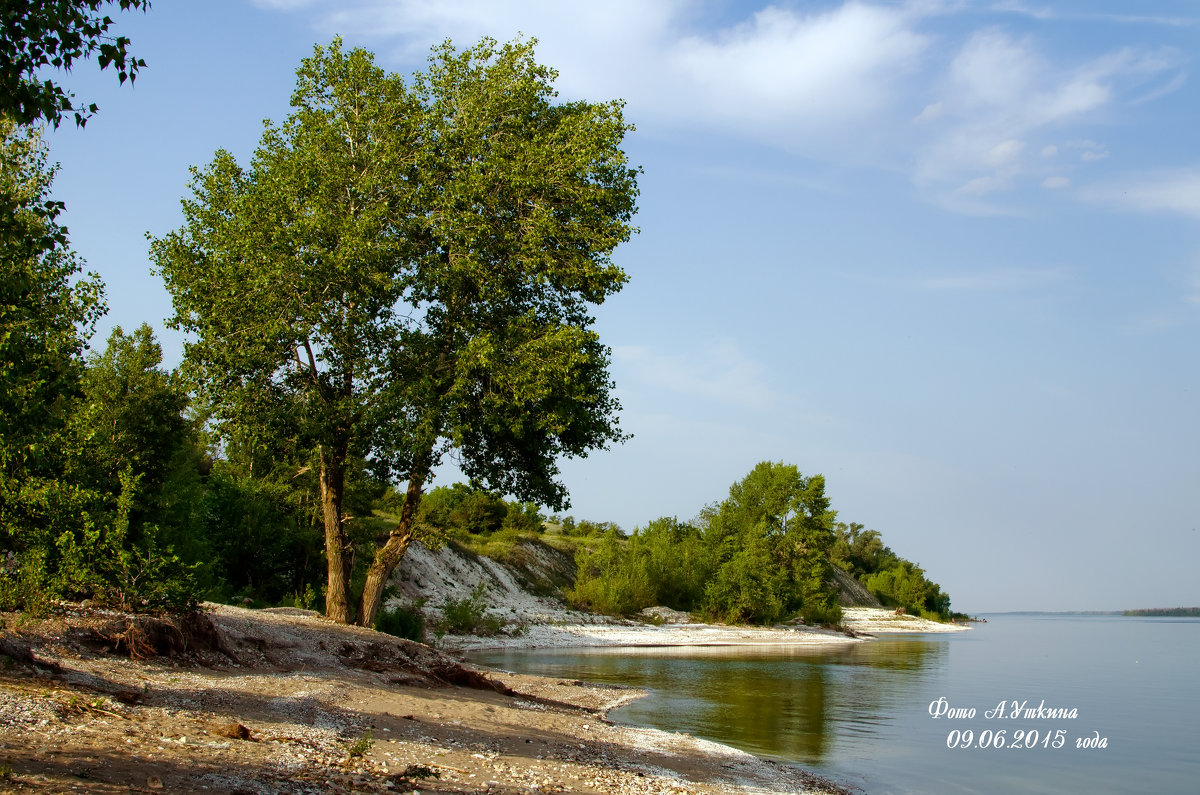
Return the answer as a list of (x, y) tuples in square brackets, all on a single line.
[(862, 624), (286, 702)]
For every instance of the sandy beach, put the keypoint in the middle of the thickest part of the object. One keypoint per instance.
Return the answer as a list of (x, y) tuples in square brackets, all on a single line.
[(263, 702)]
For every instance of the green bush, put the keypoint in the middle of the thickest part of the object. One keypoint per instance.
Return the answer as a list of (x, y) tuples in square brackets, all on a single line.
[(402, 621), (23, 583), (468, 616)]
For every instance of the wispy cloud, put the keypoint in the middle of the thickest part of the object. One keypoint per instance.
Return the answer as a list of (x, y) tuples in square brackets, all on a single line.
[(1048, 14), (1175, 192), (780, 75), (999, 102), (723, 374), (809, 72), (973, 112)]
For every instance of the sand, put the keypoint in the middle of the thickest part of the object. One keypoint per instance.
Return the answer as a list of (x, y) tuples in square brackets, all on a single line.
[(265, 702)]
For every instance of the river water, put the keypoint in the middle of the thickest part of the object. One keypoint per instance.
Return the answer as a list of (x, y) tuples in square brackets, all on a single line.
[(861, 713)]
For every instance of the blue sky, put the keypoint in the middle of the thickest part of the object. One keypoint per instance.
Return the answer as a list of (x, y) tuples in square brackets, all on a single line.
[(945, 253)]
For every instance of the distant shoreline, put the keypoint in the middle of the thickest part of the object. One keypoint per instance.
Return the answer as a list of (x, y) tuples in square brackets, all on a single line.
[(1173, 612)]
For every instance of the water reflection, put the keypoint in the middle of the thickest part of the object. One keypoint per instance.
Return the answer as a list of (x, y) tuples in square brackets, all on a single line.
[(794, 704)]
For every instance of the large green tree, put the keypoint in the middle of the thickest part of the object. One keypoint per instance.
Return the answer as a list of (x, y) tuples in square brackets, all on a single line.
[(47, 312), (771, 538), (407, 270), (38, 34)]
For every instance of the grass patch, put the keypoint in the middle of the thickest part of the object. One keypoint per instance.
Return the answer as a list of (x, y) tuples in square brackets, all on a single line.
[(359, 747)]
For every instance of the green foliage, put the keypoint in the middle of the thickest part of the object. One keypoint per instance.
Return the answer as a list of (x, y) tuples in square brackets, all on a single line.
[(610, 579), (47, 313), (675, 559), (126, 570), (262, 535), (750, 587), (305, 600), (894, 581), (761, 556), (35, 34), (403, 621), (468, 616), (24, 584), (359, 747), (85, 447), (117, 521), (478, 519), (584, 528), (666, 563), (415, 265), (771, 540)]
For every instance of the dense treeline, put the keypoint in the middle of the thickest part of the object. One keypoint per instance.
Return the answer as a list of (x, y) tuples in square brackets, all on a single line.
[(759, 556), (896, 582), (1175, 612), (762, 555), (110, 486)]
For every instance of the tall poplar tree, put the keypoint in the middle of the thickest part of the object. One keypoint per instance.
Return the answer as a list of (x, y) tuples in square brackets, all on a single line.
[(406, 271)]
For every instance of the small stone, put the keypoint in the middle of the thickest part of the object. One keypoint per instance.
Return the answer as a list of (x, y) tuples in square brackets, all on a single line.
[(154, 782), (234, 730)]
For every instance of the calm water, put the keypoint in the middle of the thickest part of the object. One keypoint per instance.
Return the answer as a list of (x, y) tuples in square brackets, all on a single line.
[(860, 714)]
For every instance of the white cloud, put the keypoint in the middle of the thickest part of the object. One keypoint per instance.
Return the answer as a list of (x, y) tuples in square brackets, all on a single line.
[(930, 112), (993, 70), (1056, 183), (1045, 14), (722, 374), (1004, 153), (842, 84), (780, 75), (998, 92), (981, 186), (809, 71), (1170, 87)]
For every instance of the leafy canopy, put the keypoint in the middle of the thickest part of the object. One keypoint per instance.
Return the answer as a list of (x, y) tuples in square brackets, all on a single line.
[(35, 34), (46, 315)]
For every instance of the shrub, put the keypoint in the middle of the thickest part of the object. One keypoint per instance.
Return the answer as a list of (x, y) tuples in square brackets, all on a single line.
[(468, 616), (402, 621)]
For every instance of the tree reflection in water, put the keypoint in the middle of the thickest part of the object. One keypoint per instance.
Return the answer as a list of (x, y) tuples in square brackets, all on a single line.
[(791, 703)]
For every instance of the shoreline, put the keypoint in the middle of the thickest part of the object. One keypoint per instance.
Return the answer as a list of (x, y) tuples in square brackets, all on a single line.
[(863, 624), (266, 701), (285, 702)]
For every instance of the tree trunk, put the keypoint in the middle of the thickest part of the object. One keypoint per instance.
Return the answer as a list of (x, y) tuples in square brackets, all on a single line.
[(333, 482), (388, 557)]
